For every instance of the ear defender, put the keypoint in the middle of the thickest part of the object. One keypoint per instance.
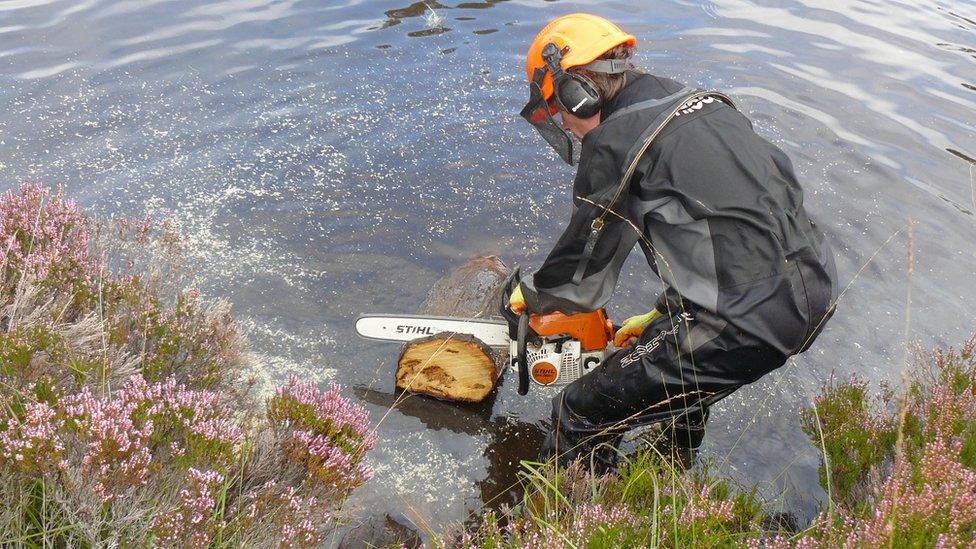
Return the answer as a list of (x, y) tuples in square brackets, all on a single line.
[(575, 93)]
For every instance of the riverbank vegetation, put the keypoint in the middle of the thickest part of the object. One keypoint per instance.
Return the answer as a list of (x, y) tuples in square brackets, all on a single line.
[(127, 416), (899, 467)]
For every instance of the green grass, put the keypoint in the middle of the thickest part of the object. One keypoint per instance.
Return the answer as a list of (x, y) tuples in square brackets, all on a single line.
[(919, 493)]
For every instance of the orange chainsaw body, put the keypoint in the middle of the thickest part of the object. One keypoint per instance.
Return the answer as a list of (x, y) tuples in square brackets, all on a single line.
[(592, 329)]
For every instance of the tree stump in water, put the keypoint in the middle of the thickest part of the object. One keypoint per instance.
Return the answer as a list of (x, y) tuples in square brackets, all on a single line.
[(457, 366)]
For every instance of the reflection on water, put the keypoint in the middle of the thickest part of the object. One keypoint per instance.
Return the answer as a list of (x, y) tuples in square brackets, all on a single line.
[(428, 32), (430, 12), (964, 23), (325, 161), (510, 439), (962, 155)]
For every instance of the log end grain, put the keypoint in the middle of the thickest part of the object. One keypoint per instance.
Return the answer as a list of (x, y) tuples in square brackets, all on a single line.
[(449, 366)]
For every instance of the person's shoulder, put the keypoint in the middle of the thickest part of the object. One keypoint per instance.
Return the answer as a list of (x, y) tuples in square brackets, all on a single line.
[(644, 86), (602, 153), (660, 86)]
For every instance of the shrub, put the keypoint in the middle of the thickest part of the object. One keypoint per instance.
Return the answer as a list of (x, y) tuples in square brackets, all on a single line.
[(323, 432), (44, 236), (650, 504), (127, 415), (900, 469), (858, 436), (917, 483)]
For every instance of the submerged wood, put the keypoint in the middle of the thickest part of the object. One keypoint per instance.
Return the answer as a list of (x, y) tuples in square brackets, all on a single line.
[(457, 366), (473, 290)]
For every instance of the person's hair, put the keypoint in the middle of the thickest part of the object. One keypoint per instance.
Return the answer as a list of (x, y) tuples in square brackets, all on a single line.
[(609, 85)]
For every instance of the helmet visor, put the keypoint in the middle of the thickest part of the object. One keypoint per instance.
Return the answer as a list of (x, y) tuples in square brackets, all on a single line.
[(539, 113)]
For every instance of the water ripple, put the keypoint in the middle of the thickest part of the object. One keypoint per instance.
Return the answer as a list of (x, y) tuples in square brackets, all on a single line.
[(159, 53), (13, 5), (46, 72), (318, 154)]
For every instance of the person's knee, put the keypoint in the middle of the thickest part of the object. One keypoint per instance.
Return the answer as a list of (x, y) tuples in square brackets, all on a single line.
[(569, 402)]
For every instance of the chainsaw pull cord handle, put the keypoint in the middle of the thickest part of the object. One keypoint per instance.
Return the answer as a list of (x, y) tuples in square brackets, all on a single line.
[(522, 355)]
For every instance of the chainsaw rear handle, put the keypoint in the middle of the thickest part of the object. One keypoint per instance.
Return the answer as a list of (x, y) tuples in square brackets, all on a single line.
[(521, 354)]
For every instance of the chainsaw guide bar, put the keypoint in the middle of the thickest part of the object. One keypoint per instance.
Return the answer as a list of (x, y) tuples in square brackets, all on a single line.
[(493, 333)]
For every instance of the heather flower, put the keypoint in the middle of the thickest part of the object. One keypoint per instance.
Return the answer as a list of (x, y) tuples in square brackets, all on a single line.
[(858, 435), (294, 518), (929, 496), (326, 461), (324, 432), (190, 524), (935, 499), (118, 382), (199, 417), (702, 507), (199, 345), (945, 411), (117, 453), (33, 442), (776, 542), (591, 525), (122, 430), (44, 235)]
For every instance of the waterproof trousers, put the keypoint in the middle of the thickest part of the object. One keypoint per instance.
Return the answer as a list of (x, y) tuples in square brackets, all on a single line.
[(681, 364)]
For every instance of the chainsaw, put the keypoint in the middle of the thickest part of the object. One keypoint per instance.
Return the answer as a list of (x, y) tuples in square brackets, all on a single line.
[(552, 349)]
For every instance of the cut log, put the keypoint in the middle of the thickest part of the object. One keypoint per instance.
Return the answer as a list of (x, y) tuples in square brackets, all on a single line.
[(457, 366), (448, 365)]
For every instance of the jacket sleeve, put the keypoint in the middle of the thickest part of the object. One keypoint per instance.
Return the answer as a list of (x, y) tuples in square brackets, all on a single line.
[(552, 288)]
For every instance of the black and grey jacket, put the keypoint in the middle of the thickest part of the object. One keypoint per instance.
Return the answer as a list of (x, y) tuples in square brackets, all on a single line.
[(716, 209)]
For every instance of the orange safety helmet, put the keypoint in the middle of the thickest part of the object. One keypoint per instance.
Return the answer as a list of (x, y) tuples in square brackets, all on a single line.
[(574, 40), (581, 37)]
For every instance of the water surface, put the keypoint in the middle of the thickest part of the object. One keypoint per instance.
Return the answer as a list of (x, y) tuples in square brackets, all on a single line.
[(331, 158)]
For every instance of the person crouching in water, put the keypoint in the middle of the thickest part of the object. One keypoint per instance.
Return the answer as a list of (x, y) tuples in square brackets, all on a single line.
[(748, 279)]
